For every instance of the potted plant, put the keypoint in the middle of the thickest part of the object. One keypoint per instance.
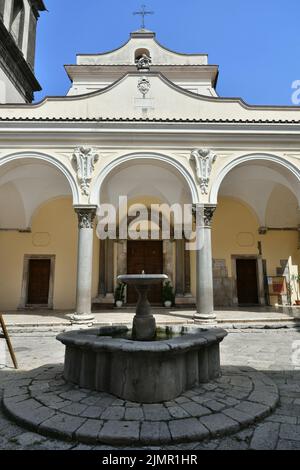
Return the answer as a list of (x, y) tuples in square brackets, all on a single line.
[(168, 294), (296, 279), (120, 294)]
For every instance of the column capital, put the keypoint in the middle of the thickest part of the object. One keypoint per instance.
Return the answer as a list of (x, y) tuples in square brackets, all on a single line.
[(86, 215), (203, 214)]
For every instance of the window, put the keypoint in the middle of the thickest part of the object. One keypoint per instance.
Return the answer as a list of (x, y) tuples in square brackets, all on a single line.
[(17, 22)]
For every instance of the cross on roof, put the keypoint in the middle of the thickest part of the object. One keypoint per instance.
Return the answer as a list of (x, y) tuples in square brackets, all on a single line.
[(143, 13)]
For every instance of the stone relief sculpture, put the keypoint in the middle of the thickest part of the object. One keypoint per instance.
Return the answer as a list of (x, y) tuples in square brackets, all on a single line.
[(144, 86), (85, 158), (86, 217), (203, 160), (144, 63)]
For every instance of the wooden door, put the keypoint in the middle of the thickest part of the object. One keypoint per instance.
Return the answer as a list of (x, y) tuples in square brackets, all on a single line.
[(247, 285), (38, 281), (145, 256)]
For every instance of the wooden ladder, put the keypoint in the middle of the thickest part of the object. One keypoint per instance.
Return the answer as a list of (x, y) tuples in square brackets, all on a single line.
[(5, 336)]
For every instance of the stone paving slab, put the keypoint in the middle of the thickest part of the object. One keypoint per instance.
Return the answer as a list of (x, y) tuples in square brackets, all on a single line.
[(43, 402)]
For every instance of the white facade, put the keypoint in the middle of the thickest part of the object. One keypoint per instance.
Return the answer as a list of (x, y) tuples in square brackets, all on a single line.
[(97, 71)]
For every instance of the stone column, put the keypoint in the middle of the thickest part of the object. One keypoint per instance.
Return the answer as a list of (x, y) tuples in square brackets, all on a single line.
[(86, 215), (204, 272)]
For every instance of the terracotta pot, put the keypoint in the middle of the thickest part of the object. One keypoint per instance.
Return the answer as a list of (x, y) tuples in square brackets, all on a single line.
[(297, 302)]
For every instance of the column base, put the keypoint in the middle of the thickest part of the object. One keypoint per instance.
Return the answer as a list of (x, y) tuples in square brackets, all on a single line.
[(206, 319), (82, 319)]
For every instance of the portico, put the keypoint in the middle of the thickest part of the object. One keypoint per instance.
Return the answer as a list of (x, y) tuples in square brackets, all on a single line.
[(157, 134)]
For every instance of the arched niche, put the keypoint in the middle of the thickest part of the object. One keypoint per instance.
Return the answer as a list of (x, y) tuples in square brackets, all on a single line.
[(140, 52)]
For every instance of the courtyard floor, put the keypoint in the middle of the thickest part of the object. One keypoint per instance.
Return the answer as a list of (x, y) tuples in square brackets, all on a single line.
[(275, 352)]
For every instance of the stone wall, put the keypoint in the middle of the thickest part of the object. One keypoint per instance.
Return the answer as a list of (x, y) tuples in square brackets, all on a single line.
[(223, 284)]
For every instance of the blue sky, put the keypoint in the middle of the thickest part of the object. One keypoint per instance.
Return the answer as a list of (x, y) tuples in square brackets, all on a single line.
[(256, 43)]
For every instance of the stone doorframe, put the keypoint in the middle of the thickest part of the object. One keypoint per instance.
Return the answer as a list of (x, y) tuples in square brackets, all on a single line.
[(25, 281), (260, 277)]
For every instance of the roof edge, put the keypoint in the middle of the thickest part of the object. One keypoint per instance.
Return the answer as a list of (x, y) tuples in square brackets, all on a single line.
[(164, 79), (143, 34)]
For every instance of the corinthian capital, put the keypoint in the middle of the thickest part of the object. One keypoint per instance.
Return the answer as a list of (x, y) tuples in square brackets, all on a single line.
[(86, 216), (203, 214), (203, 160), (84, 159)]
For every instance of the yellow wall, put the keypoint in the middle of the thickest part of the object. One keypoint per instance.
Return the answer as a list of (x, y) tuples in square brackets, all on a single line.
[(235, 232), (55, 225)]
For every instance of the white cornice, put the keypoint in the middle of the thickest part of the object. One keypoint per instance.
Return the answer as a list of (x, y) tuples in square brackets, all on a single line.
[(49, 134)]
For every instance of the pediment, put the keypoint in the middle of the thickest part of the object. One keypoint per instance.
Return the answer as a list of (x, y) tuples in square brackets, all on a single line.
[(162, 100), (142, 40)]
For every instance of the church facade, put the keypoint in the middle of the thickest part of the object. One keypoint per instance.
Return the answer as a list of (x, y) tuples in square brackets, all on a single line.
[(145, 124)]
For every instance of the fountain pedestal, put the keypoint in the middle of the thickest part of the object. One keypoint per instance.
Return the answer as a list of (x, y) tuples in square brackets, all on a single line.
[(144, 325)]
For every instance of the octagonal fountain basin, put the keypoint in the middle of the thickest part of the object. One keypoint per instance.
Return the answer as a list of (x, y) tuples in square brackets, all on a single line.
[(108, 360)]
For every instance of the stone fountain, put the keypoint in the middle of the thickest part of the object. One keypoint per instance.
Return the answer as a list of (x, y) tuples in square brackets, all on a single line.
[(144, 364), (144, 325)]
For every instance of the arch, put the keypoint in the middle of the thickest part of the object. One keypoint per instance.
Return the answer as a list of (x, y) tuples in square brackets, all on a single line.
[(95, 192), (140, 52), (47, 159), (251, 158)]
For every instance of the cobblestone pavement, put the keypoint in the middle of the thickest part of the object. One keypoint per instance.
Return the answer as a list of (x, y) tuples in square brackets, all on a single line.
[(42, 400), (274, 352)]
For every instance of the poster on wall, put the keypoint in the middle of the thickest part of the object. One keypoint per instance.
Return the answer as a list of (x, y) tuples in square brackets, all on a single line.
[(277, 285)]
